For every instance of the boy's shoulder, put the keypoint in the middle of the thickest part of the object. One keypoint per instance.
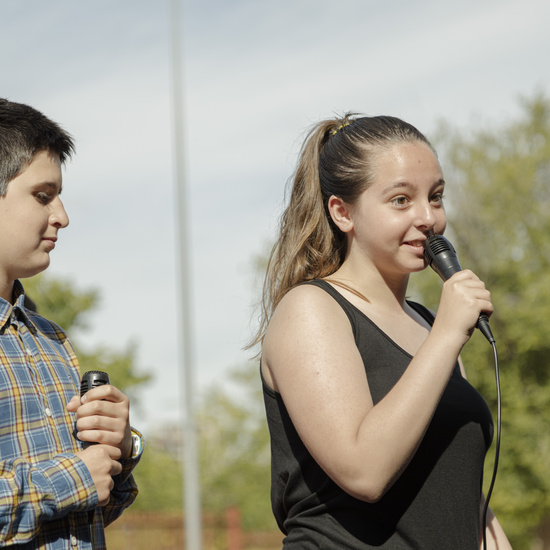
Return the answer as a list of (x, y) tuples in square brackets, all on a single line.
[(29, 308), (50, 337), (44, 325)]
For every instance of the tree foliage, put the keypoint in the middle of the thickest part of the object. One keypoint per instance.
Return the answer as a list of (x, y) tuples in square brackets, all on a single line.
[(159, 478), (159, 473), (61, 302), (499, 217), (234, 454), (235, 451)]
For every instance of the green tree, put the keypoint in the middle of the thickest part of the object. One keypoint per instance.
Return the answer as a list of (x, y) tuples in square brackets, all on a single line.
[(235, 449), (61, 302), (159, 479), (499, 217), (234, 454)]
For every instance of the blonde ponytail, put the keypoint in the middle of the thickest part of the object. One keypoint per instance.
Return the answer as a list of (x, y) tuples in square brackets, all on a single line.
[(335, 159)]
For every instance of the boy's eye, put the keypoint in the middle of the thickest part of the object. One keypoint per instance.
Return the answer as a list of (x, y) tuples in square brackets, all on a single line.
[(43, 198)]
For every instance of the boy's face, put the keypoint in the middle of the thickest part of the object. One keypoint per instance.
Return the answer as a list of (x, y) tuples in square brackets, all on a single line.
[(31, 214)]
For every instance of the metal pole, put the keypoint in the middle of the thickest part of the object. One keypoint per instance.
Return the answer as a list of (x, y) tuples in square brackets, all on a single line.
[(191, 487)]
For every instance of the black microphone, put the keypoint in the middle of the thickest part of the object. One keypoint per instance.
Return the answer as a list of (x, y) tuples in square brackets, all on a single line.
[(92, 379), (442, 258)]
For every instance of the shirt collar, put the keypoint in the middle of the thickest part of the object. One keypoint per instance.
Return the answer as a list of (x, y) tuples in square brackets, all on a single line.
[(18, 307)]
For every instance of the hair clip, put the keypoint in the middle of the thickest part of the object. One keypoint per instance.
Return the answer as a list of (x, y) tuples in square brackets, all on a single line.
[(340, 127)]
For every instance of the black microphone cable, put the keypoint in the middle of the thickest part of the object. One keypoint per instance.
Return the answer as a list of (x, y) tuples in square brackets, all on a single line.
[(497, 448), (442, 258)]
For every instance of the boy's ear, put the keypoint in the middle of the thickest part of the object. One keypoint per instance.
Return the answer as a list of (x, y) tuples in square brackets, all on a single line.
[(340, 214)]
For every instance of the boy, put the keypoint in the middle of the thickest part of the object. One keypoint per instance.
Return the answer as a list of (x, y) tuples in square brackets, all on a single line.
[(55, 490)]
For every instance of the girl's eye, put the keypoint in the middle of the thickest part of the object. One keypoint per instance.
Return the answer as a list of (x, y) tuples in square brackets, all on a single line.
[(399, 201), (438, 198)]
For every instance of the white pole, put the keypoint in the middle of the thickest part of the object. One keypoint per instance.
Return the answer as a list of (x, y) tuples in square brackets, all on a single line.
[(191, 486)]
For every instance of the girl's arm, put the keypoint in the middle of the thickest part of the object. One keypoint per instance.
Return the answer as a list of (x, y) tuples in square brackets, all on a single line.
[(496, 538), (311, 359)]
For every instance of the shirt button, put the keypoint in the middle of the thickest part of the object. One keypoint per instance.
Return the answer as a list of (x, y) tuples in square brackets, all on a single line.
[(48, 411), (74, 542), (29, 352)]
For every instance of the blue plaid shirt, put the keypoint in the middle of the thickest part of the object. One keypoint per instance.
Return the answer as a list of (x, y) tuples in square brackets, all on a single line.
[(47, 496)]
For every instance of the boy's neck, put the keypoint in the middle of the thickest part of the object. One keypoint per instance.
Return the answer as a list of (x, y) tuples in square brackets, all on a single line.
[(6, 290)]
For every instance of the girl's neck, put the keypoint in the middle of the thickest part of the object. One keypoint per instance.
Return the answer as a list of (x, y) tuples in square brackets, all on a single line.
[(370, 284)]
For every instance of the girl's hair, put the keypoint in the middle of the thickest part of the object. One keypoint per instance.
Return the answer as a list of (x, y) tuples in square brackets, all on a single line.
[(336, 159)]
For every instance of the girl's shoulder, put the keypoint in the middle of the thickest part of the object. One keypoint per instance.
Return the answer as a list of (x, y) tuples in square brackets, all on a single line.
[(313, 297), (309, 307)]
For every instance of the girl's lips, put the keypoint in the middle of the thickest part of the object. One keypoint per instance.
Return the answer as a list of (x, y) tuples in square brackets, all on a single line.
[(416, 246)]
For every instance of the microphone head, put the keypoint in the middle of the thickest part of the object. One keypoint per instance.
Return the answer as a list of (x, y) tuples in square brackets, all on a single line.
[(441, 256), (434, 245), (92, 379)]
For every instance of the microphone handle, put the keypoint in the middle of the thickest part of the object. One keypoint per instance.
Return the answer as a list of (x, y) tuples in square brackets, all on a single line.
[(483, 326), (442, 258), (92, 379)]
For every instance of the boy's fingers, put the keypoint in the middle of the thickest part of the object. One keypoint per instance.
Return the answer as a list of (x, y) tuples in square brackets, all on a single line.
[(73, 404)]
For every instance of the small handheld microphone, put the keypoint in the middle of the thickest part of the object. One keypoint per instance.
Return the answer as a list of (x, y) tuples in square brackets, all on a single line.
[(93, 379), (442, 258)]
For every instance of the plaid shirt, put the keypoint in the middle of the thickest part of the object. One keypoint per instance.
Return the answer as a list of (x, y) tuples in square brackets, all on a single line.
[(47, 496)]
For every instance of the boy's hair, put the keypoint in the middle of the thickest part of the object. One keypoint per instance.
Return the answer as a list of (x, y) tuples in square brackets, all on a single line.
[(24, 131)]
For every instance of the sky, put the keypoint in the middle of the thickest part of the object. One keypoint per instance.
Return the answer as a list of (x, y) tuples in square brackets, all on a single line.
[(256, 76)]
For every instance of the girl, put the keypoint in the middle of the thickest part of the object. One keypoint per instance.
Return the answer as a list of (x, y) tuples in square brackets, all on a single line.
[(378, 441)]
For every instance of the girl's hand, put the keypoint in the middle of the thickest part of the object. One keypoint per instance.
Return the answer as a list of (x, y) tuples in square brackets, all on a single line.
[(463, 299)]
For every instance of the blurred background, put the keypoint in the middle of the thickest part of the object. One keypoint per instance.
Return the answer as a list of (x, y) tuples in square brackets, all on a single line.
[(473, 76)]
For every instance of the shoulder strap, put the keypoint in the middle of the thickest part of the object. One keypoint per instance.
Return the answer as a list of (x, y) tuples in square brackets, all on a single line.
[(348, 308), (423, 311)]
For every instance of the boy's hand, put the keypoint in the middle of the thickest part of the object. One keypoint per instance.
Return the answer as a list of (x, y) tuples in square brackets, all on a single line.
[(103, 416), (101, 461)]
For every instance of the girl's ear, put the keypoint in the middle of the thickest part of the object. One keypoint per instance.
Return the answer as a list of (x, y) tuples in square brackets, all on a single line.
[(340, 214)]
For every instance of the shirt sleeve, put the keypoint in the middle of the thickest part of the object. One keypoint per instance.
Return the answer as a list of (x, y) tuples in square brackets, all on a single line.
[(125, 490), (32, 493)]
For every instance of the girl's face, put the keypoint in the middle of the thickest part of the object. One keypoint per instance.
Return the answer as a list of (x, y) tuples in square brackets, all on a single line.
[(402, 205)]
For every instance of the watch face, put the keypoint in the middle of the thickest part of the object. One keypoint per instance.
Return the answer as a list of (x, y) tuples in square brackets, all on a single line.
[(136, 444)]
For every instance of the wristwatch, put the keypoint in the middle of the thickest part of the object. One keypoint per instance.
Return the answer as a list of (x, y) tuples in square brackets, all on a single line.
[(137, 444)]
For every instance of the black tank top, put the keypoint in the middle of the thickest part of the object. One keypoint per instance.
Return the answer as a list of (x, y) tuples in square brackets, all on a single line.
[(435, 503)]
